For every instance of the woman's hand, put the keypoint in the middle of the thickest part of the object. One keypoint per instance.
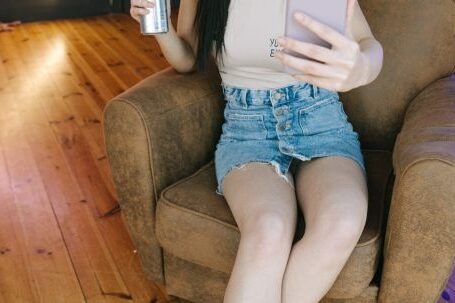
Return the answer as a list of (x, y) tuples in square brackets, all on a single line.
[(343, 66), (140, 7)]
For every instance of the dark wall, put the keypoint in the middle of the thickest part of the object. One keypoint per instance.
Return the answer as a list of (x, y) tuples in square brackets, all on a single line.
[(124, 5), (32, 10)]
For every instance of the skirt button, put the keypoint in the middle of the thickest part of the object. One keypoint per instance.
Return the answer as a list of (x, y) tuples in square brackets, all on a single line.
[(282, 126)]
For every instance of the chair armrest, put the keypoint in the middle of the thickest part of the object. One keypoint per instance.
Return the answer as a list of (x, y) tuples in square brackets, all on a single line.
[(428, 130), (419, 246), (157, 132)]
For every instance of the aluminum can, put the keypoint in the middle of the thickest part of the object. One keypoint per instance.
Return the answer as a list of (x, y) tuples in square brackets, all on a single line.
[(156, 21)]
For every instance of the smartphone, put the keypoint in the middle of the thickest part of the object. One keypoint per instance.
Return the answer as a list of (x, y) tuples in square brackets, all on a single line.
[(330, 12)]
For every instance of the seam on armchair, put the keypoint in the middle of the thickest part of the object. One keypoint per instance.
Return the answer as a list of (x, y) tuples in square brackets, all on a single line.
[(149, 144), (402, 172), (430, 158), (207, 217)]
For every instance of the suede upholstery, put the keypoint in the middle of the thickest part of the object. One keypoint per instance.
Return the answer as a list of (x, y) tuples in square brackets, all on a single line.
[(160, 137)]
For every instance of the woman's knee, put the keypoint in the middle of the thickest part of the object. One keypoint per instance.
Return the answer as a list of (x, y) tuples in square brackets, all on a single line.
[(346, 231), (340, 232), (269, 231)]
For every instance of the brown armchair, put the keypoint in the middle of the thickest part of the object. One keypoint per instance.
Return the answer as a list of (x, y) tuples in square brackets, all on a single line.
[(161, 134)]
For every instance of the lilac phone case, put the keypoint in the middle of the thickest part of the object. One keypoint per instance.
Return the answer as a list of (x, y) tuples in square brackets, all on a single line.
[(330, 12)]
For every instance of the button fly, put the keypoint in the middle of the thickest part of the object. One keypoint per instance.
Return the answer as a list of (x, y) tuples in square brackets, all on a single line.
[(283, 126)]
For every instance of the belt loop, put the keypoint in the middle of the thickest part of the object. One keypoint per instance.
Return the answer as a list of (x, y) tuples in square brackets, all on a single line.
[(269, 96), (242, 98), (315, 91)]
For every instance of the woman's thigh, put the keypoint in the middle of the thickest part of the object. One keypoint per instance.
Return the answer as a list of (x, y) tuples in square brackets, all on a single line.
[(332, 190), (260, 199)]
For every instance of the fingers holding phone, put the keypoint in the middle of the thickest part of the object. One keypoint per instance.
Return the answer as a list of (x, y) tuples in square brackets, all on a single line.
[(322, 52)]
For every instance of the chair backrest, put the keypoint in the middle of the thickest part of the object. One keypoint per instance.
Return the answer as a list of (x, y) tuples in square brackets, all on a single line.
[(418, 39)]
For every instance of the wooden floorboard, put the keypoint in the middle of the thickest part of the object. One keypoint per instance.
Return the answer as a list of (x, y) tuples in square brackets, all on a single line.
[(55, 183)]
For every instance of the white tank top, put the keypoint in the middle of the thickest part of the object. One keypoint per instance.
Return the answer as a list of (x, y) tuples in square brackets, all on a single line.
[(250, 42)]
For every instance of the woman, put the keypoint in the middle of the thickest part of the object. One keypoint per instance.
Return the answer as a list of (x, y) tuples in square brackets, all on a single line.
[(272, 120)]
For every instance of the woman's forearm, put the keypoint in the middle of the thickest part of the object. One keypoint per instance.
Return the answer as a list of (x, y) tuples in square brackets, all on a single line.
[(176, 50), (372, 50)]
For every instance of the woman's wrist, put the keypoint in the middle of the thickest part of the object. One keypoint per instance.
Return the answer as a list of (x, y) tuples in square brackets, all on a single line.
[(176, 50)]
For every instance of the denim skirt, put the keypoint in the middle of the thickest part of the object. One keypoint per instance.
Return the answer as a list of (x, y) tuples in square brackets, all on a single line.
[(275, 126)]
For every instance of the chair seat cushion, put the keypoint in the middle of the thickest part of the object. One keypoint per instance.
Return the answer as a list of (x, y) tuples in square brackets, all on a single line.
[(196, 224)]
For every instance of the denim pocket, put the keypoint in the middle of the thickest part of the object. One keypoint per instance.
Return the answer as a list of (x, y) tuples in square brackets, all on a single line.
[(322, 116), (244, 126)]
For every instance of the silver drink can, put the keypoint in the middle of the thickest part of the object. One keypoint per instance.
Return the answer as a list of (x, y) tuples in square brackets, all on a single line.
[(156, 21)]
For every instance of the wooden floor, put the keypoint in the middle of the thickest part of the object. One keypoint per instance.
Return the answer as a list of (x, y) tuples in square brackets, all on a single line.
[(55, 183)]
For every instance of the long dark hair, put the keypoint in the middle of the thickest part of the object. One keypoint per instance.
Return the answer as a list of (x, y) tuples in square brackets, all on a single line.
[(210, 24)]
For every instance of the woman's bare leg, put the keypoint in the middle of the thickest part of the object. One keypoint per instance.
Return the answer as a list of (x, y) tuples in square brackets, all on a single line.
[(265, 209), (332, 193)]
